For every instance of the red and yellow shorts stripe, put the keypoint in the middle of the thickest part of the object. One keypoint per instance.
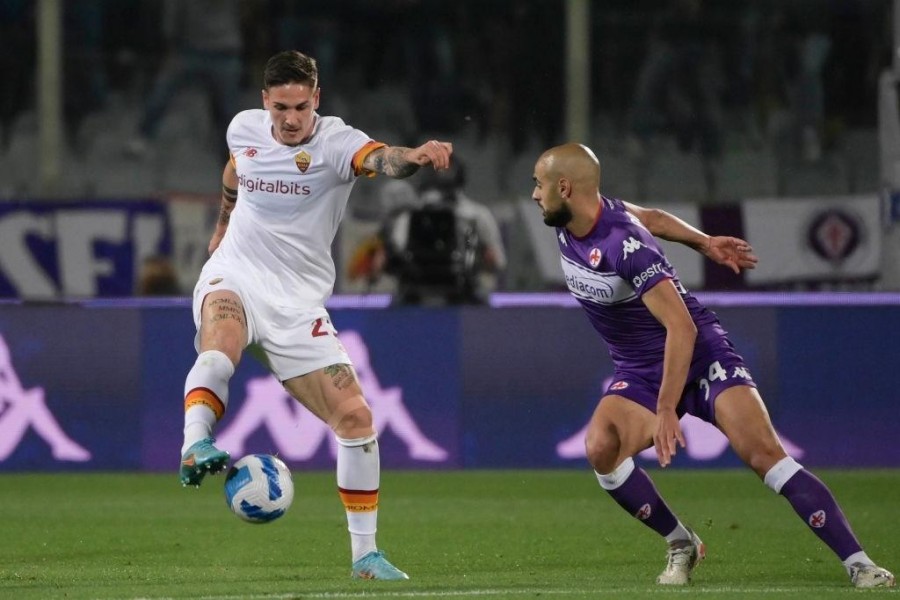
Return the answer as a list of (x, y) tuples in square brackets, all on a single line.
[(205, 397), (359, 500)]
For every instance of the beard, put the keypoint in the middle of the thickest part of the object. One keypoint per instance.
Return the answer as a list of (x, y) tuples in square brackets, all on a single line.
[(559, 217)]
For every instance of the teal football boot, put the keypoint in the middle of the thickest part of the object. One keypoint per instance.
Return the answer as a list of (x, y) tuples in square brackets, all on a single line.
[(375, 566), (202, 458)]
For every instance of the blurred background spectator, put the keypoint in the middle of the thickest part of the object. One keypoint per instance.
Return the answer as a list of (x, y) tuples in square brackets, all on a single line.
[(699, 102), (679, 90), (17, 63), (158, 277), (439, 245), (203, 46)]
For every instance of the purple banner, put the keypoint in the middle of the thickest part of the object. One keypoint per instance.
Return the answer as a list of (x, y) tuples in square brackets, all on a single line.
[(406, 362), (60, 249), (99, 386)]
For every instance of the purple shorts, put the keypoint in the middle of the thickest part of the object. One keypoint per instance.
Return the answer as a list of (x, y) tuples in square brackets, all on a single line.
[(709, 376)]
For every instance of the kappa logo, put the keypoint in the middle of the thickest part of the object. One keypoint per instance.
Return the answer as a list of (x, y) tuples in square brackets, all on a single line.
[(562, 239), (740, 372), (817, 519), (267, 405), (630, 246), (21, 409), (303, 160)]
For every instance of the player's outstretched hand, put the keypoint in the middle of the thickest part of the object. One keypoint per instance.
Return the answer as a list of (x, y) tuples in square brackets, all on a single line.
[(731, 251), (668, 437), (432, 152)]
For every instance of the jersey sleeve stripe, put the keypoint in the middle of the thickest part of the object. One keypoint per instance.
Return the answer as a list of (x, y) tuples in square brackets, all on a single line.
[(361, 155)]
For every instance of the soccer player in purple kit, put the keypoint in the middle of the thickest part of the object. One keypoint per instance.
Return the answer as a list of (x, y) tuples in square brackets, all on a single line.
[(671, 357)]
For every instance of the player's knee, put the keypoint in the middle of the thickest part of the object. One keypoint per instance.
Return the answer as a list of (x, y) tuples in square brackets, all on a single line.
[(762, 459), (781, 472), (602, 451), (618, 476), (352, 420), (229, 341)]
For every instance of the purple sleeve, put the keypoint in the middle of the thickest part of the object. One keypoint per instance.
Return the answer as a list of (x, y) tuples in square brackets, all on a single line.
[(639, 259)]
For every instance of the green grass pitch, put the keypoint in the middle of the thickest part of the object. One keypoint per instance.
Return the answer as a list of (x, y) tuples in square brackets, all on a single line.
[(459, 534)]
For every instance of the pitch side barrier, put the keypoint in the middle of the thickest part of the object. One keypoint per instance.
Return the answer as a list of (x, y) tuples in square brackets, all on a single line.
[(97, 384)]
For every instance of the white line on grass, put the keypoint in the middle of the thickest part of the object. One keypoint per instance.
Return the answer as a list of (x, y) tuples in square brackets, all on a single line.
[(388, 594), (442, 594), (511, 592)]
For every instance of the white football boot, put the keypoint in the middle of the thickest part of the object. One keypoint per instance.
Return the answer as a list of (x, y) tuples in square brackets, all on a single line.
[(870, 576), (683, 556)]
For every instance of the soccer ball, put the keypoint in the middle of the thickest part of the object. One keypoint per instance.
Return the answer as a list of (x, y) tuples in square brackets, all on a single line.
[(259, 488)]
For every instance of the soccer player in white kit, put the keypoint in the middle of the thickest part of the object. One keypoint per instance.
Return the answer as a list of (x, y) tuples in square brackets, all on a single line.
[(284, 192)]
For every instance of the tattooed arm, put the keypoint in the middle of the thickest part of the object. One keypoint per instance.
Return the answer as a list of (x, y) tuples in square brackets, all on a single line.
[(229, 199), (400, 162)]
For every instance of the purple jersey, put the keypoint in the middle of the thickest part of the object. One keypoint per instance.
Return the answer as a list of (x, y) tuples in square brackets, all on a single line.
[(608, 271)]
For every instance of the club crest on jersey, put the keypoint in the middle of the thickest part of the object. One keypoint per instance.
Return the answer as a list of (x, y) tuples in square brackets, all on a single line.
[(594, 257), (619, 385), (302, 160), (250, 152)]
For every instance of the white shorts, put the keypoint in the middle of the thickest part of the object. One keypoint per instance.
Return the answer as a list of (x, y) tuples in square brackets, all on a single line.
[(295, 341)]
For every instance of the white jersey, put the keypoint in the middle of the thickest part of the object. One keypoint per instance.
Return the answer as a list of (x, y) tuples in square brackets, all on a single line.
[(290, 202)]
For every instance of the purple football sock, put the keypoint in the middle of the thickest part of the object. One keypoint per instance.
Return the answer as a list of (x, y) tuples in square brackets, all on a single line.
[(640, 498), (814, 503)]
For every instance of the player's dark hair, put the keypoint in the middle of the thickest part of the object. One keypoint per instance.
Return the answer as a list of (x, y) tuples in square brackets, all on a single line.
[(291, 66)]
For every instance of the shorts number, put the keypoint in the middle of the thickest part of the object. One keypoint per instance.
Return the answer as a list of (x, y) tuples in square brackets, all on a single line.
[(320, 328), (716, 373)]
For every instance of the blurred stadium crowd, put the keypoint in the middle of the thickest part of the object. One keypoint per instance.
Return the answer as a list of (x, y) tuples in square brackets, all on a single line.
[(698, 101), (721, 79)]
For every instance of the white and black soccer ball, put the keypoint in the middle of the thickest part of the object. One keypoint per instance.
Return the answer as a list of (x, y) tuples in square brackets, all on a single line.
[(259, 488)]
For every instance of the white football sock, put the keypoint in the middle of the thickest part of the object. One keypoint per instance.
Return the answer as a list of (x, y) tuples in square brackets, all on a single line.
[(206, 394), (358, 478), (858, 557)]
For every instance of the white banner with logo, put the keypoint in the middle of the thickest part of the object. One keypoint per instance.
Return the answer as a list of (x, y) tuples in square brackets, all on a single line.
[(834, 238)]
